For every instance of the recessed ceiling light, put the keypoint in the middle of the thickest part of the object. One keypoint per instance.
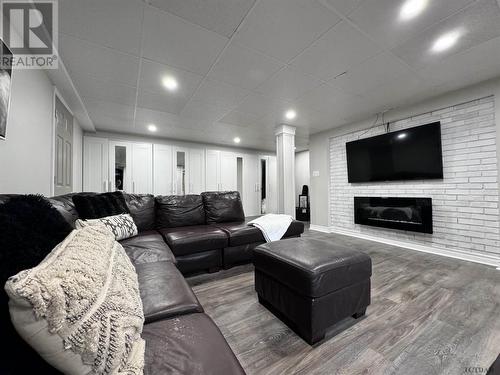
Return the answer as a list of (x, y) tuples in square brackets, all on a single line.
[(170, 83), (402, 135), (237, 140), (152, 128), (290, 114), (411, 9), (446, 41)]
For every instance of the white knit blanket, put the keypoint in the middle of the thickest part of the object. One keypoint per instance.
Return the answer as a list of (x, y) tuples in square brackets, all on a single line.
[(272, 226)]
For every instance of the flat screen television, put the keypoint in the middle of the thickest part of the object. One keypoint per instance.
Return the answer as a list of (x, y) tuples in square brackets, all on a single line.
[(409, 154)]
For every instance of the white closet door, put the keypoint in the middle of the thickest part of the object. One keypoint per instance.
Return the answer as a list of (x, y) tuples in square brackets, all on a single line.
[(95, 164), (212, 180), (196, 171), (251, 192), (142, 168), (272, 185), (162, 171), (228, 171)]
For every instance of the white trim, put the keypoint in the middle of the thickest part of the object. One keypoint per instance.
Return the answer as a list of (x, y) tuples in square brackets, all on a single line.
[(489, 260), (320, 228)]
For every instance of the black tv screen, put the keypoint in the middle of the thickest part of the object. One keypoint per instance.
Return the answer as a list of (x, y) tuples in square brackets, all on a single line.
[(409, 154)]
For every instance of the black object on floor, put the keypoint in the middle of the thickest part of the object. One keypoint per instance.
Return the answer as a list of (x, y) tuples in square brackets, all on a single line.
[(312, 284)]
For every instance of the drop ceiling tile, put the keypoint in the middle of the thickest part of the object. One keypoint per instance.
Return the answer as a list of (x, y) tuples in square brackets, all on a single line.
[(109, 116), (221, 16), (326, 99), (220, 94), (161, 102), (146, 116), (340, 49), (111, 23), (371, 73), (288, 84), (244, 68), (240, 119), (203, 112), (478, 23), (380, 19), (171, 40), (345, 7), (102, 109), (283, 28), (99, 89), (466, 68), (396, 93), (259, 105), (83, 57), (152, 74)]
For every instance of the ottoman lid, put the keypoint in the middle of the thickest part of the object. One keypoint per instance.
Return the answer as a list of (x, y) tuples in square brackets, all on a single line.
[(312, 267)]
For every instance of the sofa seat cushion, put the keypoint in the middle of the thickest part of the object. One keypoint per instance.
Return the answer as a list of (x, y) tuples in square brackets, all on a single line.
[(147, 247), (194, 239), (241, 233), (311, 267), (188, 344), (164, 291)]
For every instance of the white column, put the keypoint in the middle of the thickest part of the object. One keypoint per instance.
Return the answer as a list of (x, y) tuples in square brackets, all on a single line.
[(285, 152)]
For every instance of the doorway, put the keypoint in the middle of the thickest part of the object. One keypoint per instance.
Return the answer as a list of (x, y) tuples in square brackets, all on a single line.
[(63, 149)]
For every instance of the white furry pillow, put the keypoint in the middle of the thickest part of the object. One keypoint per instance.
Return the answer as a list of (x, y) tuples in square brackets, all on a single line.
[(80, 308), (122, 226)]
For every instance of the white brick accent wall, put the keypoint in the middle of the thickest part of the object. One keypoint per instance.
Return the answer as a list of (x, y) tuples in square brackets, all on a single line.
[(465, 202)]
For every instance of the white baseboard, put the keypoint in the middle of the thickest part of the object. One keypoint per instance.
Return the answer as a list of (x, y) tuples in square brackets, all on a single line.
[(490, 260), (320, 228)]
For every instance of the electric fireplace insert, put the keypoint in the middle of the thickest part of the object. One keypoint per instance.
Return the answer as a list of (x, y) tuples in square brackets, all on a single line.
[(410, 214)]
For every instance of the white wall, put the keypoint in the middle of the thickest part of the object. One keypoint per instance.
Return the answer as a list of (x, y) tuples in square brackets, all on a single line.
[(465, 201), (301, 173), (26, 153), (319, 143)]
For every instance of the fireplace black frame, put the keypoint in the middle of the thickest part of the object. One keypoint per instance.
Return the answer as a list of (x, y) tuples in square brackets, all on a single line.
[(423, 204)]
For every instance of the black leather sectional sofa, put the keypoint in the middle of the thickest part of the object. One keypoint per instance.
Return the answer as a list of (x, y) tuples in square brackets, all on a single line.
[(179, 235)]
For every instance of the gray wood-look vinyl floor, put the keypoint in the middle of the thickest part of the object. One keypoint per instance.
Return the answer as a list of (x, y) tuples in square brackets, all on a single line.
[(429, 315)]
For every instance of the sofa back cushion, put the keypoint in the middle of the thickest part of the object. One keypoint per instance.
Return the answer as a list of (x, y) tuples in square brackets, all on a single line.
[(142, 209), (80, 308), (100, 205), (64, 204), (179, 211), (223, 207)]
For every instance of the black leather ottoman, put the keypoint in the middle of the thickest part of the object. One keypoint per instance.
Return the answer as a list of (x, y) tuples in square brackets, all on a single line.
[(312, 284)]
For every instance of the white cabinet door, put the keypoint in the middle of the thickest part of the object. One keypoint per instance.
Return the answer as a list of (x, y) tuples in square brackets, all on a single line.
[(212, 178), (142, 168), (228, 171), (162, 171), (196, 170), (95, 165), (251, 192)]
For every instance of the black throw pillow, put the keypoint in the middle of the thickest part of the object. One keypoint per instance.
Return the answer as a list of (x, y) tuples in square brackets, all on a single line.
[(100, 205), (30, 227)]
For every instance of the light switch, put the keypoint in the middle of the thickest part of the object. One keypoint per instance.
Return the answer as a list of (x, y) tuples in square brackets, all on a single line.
[(315, 173)]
